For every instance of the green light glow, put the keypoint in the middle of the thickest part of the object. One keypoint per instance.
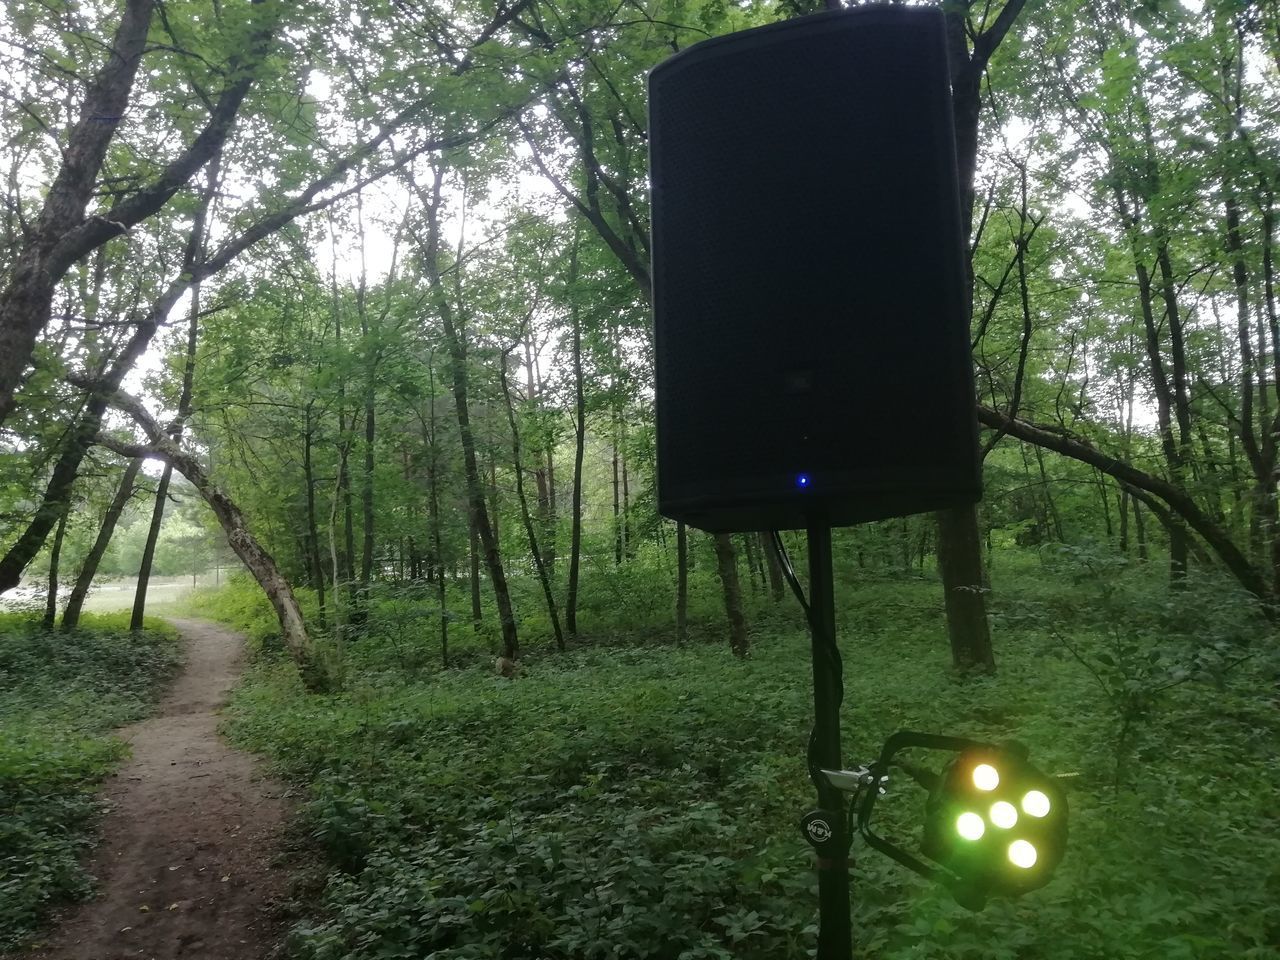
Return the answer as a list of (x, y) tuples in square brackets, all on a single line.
[(1022, 854), (1003, 814), (985, 777), (970, 826), (1035, 804)]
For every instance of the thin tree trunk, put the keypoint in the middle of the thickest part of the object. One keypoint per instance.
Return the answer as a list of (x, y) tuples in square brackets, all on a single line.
[(371, 369), (1141, 530), (579, 445), (516, 462), (149, 550), (628, 547), (617, 501), (754, 568), (437, 548), (727, 568), (475, 486), (682, 582), (196, 246), (477, 614), (51, 599), (1048, 496), (1124, 521), (313, 534), (777, 587), (75, 603)]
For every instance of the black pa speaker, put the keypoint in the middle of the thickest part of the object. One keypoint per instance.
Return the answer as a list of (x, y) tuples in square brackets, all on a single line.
[(812, 357)]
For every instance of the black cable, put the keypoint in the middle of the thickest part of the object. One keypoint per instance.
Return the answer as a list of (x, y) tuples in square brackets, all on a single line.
[(789, 572), (830, 650)]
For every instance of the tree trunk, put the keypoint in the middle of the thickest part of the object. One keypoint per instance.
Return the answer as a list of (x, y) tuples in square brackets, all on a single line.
[(777, 587), (51, 598), (258, 561), (517, 464), (75, 603), (475, 485), (682, 582), (1141, 530), (27, 296), (195, 256), (473, 541), (960, 563), (958, 539), (579, 447), (79, 439), (313, 534), (727, 568), (433, 505), (149, 551), (617, 499)]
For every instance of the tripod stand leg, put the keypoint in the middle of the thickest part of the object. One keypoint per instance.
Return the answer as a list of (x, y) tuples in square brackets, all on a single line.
[(834, 933)]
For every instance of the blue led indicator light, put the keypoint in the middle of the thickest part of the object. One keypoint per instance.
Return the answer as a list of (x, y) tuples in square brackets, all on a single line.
[(802, 480)]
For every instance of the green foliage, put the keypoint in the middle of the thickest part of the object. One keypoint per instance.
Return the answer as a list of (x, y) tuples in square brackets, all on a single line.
[(60, 696), (640, 801)]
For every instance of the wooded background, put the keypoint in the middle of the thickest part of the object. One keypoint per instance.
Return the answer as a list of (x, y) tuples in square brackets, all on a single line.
[(392, 263)]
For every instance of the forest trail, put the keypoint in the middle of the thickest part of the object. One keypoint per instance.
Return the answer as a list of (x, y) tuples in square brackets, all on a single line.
[(184, 867)]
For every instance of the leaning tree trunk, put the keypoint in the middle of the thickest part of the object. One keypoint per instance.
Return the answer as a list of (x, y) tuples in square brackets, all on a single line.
[(254, 556), (75, 603), (27, 294)]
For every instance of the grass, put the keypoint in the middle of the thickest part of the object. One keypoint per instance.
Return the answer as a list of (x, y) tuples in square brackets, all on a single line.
[(61, 695), (641, 799)]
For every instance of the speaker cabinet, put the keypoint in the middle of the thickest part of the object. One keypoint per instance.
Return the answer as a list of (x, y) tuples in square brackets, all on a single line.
[(812, 356)]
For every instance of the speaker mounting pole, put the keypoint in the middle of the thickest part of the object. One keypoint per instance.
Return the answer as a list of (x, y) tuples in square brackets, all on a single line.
[(827, 827)]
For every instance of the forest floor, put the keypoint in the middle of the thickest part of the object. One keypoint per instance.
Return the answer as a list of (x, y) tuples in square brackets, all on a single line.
[(186, 866)]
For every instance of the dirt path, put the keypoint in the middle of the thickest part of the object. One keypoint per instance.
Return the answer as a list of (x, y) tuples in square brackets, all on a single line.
[(185, 864)]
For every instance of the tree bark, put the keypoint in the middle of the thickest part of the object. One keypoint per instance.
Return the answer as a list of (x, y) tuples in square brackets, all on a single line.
[(539, 563), (579, 447), (727, 568), (475, 484), (682, 582), (51, 598), (777, 588), (27, 297), (963, 578), (254, 556), (1179, 501), (313, 534), (959, 548), (195, 255), (149, 550), (66, 235), (84, 581)]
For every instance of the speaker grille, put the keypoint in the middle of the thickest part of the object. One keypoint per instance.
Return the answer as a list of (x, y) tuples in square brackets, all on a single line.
[(807, 275)]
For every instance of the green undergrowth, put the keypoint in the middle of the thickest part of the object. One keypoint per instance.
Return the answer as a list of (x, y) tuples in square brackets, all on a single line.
[(60, 697), (641, 800)]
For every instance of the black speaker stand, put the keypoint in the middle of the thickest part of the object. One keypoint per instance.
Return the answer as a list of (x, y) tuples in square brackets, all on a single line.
[(827, 828)]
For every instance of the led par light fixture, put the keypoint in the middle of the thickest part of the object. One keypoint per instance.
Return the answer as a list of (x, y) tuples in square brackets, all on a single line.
[(994, 825)]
